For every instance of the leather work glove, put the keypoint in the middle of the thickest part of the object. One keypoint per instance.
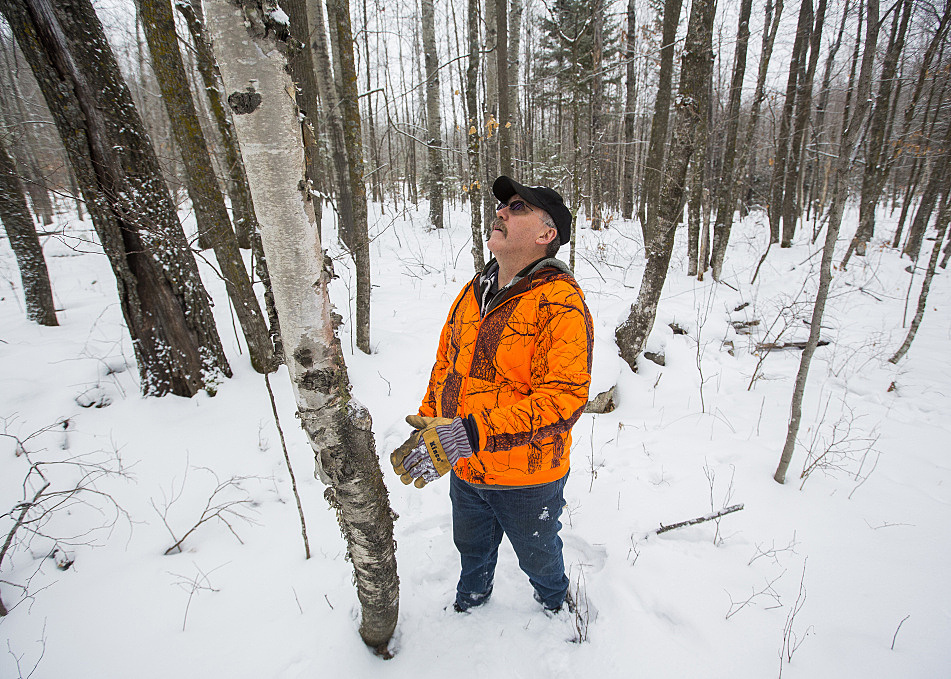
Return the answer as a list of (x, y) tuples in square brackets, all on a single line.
[(432, 450)]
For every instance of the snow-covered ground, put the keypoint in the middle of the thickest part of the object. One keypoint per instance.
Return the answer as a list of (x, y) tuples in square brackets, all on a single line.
[(843, 571)]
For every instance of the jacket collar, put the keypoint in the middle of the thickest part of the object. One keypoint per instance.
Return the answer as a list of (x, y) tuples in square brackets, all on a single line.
[(485, 284)]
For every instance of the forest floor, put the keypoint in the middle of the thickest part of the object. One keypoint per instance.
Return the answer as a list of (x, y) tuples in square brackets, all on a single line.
[(834, 574)]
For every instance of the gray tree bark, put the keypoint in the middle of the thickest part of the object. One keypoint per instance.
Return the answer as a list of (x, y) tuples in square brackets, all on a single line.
[(34, 276), (338, 427), (163, 301), (472, 135), (630, 116), (793, 176), (654, 166), (726, 191), (772, 16), (330, 108), (203, 188), (341, 35), (876, 152), (843, 162), (797, 68), (696, 68), (435, 173)]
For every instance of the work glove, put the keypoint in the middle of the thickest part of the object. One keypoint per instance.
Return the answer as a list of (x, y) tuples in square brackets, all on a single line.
[(432, 450)]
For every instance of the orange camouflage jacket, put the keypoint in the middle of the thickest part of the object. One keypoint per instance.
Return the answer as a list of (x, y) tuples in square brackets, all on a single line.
[(520, 374)]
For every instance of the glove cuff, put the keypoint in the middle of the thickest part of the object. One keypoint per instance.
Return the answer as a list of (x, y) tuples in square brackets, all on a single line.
[(472, 431)]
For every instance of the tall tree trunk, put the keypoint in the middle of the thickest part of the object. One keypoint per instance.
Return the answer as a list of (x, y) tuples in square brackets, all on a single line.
[(843, 161), (435, 172), (942, 227), (339, 427), (163, 301), (329, 101), (773, 15), (797, 67), (516, 136), (596, 174), (793, 178), (821, 155), (654, 167), (203, 189), (937, 183), (35, 278), (244, 219), (502, 72), (338, 14), (696, 69), (630, 116), (876, 153), (490, 121), (474, 184), (726, 190)]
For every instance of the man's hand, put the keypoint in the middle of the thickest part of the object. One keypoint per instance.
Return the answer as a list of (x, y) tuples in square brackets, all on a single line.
[(430, 451)]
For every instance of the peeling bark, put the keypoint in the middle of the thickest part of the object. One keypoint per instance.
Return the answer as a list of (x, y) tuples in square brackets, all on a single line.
[(338, 427)]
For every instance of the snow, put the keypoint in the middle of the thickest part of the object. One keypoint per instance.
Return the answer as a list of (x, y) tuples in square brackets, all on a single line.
[(844, 561)]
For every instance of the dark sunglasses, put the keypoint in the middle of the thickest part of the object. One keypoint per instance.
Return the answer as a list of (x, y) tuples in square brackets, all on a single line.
[(516, 207)]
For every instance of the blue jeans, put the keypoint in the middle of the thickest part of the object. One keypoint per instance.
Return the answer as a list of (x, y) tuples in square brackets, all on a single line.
[(529, 517)]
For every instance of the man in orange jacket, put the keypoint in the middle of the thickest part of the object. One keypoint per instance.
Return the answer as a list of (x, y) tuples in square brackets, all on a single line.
[(511, 378)]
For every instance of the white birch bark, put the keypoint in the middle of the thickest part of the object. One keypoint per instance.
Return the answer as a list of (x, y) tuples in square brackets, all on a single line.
[(261, 95)]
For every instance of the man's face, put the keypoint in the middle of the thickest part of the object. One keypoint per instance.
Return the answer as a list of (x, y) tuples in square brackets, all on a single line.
[(518, 231)]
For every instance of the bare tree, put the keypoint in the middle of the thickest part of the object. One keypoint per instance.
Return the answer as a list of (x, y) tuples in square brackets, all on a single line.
[(435, 171), (203, 189), (696, 69), (630, 117), (338, 427), (876, 152), (341, 39), (726, 192), (472, 134), (843, 163), (654, 167), (37, 291), (161, 295)]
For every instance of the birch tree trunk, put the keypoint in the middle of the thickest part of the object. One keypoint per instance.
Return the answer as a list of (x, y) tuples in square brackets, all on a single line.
[(839, 195), (338, 426), (696, 68), (435, 172), (211, 214), (243, 220), (34, 276), (163, 301)]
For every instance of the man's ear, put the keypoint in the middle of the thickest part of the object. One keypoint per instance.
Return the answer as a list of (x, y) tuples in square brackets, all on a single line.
[(547, 237)]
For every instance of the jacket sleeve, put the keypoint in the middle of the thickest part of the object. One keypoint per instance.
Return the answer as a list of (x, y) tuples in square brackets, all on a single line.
[(560, 377), (437, 377)]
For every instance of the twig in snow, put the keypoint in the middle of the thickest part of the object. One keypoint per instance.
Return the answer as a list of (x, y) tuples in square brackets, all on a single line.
[(290, 470), (699, 519), (898, 628)]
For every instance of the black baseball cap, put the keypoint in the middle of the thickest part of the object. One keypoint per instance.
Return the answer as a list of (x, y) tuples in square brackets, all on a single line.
[(547, 199)]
